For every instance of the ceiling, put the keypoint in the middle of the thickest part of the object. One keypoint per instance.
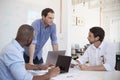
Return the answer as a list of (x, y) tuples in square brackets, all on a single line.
[(97, 3)]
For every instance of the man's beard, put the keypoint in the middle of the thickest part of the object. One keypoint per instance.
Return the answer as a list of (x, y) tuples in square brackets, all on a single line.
[(90, 42), (93, 42)]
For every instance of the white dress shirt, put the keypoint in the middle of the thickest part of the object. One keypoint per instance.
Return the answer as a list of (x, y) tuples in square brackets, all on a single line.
[(104, 54)]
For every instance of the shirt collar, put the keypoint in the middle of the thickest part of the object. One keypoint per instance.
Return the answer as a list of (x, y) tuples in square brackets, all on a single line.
[(18, 46), (100, 47), (41, 21)]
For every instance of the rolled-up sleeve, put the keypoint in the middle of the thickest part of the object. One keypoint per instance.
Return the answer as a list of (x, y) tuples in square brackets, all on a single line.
[(16, 66), (34, 25), (110, 58), (53, 35), (19, 72), (108, 67), (84, 58)]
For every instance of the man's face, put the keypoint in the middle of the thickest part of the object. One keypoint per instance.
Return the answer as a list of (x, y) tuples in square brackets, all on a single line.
[(48, 20), (91, 38), (30, 40)]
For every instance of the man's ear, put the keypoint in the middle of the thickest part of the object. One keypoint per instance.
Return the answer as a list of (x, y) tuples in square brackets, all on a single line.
[(30, 38), (97, 38)]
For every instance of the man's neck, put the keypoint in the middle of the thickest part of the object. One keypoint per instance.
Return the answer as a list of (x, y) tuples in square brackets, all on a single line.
[(46, 25), (20, 42), (97, 44)]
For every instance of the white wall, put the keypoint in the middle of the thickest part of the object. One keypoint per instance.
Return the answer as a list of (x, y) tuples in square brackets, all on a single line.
[(13, 13), (90, 17), (111, 23), (90, 11)]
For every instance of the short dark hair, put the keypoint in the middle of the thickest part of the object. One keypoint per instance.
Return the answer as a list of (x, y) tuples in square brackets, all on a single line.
[(98, 32), (46, 11), (25, 31)]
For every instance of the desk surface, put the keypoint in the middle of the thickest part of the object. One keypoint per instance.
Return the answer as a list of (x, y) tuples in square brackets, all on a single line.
[(76, 74)]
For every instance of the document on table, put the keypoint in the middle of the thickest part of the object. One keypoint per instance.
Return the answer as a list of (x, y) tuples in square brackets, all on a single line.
[(77, 76)]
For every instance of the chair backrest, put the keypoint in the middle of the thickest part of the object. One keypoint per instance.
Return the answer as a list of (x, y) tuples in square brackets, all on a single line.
[(117, 66)]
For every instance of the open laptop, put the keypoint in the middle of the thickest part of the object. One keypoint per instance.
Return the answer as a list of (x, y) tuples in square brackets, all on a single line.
[(53, 55), (63, 62)]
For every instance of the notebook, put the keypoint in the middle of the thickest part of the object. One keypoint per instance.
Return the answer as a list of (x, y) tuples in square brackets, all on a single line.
[(63, 62), (53, 55)]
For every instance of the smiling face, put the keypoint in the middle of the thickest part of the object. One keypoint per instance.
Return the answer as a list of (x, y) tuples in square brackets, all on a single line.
[(48, 20)]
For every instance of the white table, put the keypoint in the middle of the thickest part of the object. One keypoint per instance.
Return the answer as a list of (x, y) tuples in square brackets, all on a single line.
[(88, 75), (77, 74)]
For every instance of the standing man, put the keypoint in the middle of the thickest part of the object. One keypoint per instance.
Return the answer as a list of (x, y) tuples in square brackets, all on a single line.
[(12, 64), (44, 28), (100, 54)]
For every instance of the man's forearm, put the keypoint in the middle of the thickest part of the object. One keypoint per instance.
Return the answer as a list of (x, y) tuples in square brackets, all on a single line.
[(96, 68), (91, 68), (31, 53), (42, 77), (55, 47), (32, 67)]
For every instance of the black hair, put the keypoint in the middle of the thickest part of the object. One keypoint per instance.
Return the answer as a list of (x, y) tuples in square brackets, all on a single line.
[(25, 31), (46, 11), (98, 32)]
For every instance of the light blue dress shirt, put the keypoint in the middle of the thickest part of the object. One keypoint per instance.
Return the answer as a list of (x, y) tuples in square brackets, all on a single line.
[(12, 65), (42, 34)]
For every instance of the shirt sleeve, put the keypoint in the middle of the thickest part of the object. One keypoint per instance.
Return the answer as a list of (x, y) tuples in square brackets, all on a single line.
[(19, 72), (16, 65), (110, 58), (84, 58), (35, 26), (53, 35)]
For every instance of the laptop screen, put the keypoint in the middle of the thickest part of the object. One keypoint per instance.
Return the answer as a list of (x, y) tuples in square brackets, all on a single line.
[(53, 55), (63, 62)]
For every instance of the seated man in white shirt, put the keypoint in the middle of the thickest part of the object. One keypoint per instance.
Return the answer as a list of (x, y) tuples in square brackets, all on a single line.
[(100, 54), (12, 65)]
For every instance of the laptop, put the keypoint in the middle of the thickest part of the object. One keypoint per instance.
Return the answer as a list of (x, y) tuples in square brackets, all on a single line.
[(63, 62), (53, 55)]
